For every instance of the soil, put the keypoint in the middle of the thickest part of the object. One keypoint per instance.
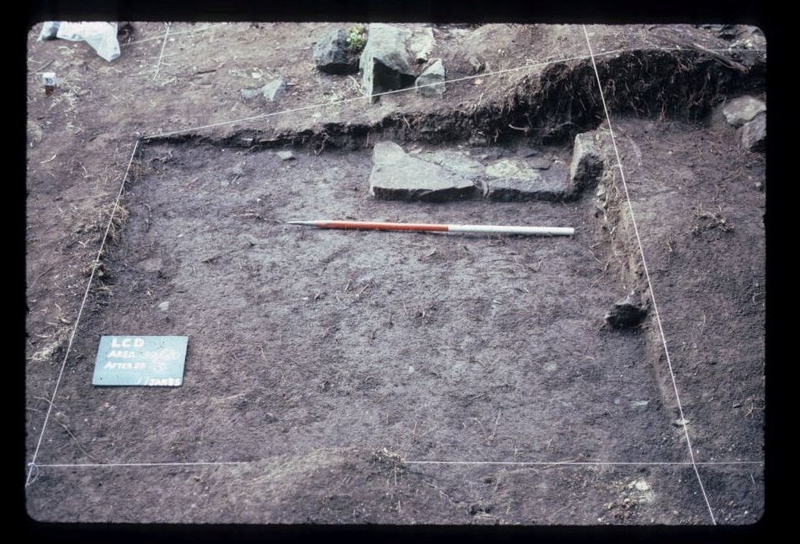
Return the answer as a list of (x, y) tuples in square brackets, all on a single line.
[(348, 377)]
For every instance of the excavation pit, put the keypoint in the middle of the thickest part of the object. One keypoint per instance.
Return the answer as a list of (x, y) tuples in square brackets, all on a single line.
[(406, 378)]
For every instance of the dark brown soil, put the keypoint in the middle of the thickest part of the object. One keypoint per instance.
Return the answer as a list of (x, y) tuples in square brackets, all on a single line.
[(393, 378)]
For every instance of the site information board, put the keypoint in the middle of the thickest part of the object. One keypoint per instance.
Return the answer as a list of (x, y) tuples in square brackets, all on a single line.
[(140, 360)]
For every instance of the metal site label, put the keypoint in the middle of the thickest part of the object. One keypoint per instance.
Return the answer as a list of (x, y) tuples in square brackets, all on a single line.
[(140, 360)]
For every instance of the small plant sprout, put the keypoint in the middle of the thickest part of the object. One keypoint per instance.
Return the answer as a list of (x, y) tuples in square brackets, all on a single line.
[(356, 38)]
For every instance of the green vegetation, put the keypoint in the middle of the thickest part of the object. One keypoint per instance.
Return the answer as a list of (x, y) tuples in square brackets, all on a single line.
[(356, 38)]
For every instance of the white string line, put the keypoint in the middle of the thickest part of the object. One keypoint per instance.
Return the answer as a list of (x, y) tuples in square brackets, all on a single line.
[(514, 463), (582, 463), (117, 465), (80, 313), (649, 282), (163, 45)]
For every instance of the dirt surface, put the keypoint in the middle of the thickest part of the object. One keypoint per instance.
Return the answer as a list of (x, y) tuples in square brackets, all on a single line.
[(389, 378)]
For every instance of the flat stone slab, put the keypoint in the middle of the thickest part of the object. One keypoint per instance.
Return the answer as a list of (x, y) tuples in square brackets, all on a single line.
[(743, 109), (456, 161), (512, 180), (396, 175), (447, 174)]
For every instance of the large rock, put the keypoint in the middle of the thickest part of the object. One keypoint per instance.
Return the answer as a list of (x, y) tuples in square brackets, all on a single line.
[(754, 133), (587, 163), (743, 109), (397, 175), (431, 81), (385, 60), (511, 180), (332, 56)]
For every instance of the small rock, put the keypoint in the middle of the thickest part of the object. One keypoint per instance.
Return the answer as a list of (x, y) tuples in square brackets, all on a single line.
[(680, 422), (248, 95), (49, 30), (237, 170), (478, 508), (540, 163), (457, 162), (285, 155), (431, 81), (273, 89), (478, 139), (587, 163), (600, 193), (626, 313), (759, 186), (333, 56), (248, 239), (754, 133), (743, 109), (164, 306), (477, 63)]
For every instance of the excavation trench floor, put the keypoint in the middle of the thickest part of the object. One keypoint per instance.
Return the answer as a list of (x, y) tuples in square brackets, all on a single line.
[(377, 355)]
